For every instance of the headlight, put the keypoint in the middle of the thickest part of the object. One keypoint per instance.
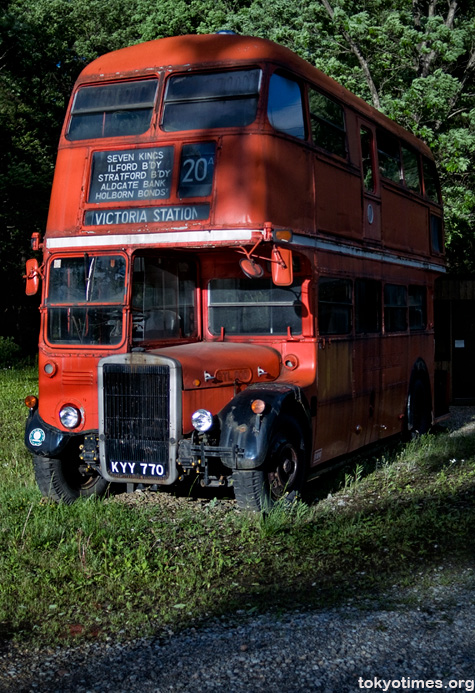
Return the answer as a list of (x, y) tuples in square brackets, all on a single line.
[(202, 420), (70, 416)]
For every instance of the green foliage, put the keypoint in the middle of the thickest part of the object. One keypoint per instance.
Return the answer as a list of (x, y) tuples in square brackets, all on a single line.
[(9, 352)]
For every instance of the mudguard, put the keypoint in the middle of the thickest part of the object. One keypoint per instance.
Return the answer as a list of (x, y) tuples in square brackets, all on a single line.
[(44, 440), (249, 434)]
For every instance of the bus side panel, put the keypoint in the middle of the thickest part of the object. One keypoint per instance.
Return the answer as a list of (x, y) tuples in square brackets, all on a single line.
[(367, 385), (289, 177), (66, 192), (335, 398), (240, 182), (405, 223), (338, 199), (394, 382)]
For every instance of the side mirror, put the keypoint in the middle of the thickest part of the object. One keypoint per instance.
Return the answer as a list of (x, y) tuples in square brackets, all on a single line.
[(282, 269), (32, 277)]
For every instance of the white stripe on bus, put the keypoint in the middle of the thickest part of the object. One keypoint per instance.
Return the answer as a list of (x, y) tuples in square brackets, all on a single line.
[(241, 235)]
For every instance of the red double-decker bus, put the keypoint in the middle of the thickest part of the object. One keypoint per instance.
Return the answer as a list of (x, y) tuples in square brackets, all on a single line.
[(238, 275)]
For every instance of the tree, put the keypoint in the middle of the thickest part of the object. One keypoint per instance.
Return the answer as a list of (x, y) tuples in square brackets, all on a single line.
[(413, 59)]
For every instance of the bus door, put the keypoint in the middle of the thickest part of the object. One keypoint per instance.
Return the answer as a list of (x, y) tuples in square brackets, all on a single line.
[(366, 361), (371, 192), (335, 368), (349, 363)]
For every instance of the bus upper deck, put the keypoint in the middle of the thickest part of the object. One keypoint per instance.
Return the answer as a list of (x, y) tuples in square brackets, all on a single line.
[(226, 134)]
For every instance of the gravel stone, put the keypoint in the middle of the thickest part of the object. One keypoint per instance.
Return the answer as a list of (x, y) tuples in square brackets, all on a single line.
[(402, 641)]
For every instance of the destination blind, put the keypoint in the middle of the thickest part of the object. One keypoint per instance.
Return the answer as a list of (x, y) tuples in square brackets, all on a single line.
[(137, 175), (133, 174), (146, 215)]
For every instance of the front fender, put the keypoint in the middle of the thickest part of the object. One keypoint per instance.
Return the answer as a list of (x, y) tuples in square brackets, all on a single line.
[(42, 439), (249, 434)]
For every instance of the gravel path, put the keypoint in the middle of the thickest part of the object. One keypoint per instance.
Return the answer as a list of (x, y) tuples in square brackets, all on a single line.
[(329, 651), (421, 639)]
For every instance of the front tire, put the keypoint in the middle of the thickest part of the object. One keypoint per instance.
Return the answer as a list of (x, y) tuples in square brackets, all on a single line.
[(64, 481), (282, 474)]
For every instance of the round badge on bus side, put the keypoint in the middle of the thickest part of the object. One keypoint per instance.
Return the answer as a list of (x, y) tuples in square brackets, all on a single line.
[(37, 437), (370, 214)]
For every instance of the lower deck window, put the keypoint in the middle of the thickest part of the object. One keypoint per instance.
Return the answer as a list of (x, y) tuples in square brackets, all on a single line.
[(335, 306), (254, 306), (395, 308)]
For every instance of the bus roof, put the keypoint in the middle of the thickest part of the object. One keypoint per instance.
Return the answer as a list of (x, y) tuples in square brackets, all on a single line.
[(206, 50)]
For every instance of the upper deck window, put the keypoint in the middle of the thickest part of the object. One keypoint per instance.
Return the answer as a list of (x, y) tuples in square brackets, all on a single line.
[(328, 123), (211, 100), (367, 159), (431, 187), (112, 110), (412, 179), (389, 157), (284, 108)]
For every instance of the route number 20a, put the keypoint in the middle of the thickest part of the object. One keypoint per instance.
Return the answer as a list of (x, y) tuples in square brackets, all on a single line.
[(195, 170)]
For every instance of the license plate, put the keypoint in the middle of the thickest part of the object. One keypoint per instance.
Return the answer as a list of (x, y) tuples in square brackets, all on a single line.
[(137, 469)]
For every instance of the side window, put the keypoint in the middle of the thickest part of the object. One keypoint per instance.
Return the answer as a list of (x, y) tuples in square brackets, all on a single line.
[(284, 107), (367, 159), (395, 308), (389, 157), (254, 306), (436, 236), (328, 123), (334, 306), (417, 308), (367, 306), (431, 187), (410, 160)]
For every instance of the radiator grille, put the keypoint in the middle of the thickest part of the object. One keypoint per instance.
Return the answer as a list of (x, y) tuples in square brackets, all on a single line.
[(136, 414)]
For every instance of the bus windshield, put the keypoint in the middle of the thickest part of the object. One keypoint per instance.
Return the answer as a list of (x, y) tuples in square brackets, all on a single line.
[(112, 110), (211, 100), (85, 299)]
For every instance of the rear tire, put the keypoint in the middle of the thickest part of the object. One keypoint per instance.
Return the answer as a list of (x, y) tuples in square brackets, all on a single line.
[(65, 481), (282, 474), (419, 408)]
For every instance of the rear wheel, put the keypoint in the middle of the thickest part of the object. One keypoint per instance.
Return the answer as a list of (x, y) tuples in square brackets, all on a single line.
[(64, 481), (282, 474), (419, 408)]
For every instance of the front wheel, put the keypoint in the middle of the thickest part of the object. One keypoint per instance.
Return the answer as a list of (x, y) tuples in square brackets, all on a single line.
[(282, 474), (64, 481)]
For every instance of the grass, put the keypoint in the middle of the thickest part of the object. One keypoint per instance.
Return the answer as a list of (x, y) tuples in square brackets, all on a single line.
[(128, 567)]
